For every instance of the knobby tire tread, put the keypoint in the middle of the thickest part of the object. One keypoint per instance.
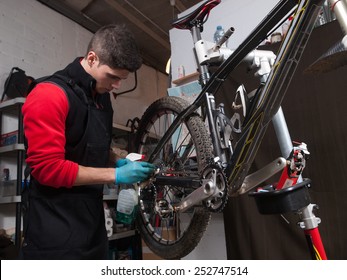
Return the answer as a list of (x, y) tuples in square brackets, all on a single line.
[(201, 217)]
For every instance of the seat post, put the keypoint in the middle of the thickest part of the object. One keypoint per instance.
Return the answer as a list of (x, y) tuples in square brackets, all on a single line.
[(203, 69)]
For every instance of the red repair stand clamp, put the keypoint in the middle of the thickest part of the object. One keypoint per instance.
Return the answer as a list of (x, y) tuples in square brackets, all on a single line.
[(290, 196)]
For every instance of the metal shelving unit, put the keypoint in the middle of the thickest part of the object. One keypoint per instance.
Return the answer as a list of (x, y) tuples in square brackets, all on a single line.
[(126, 233), (10, 199), (13, 107)]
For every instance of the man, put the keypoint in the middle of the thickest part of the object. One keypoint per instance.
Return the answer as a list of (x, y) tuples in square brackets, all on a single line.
[(68, 126)]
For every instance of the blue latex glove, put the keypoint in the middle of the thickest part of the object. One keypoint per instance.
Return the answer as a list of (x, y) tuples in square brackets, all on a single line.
[(122, 161), (133, 171)]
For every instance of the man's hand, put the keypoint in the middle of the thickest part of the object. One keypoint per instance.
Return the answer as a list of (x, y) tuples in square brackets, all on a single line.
[(130, 172), (122, 161)]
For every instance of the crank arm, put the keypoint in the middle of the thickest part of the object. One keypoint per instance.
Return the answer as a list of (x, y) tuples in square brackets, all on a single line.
[(254, 179), (203, 192), (208, 188)]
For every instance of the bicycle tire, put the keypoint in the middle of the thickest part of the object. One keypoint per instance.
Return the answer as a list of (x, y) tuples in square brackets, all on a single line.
[(185, 236)]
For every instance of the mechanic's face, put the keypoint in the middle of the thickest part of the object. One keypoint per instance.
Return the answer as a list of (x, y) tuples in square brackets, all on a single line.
[(107, 79)]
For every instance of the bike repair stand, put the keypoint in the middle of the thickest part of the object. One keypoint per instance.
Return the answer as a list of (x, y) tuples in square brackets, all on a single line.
[(291, 194)]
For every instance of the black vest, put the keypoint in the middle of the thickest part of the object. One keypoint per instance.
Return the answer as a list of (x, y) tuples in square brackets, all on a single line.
[(68, 223)]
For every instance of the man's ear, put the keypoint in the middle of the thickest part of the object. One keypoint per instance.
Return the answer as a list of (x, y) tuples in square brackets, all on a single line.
[(92, 58)]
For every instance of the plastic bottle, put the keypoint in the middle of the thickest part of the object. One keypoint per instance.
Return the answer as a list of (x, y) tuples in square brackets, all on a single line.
[(218, 34), (126, 205)]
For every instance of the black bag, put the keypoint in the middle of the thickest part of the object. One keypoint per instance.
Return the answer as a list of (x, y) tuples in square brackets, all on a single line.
[(17, 84)]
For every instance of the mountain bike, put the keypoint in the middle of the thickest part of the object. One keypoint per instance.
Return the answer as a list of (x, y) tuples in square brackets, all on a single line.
[(204, 157)]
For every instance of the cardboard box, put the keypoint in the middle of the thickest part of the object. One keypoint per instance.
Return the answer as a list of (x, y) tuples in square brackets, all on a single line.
[(168, 234), (147, 253), (9, 138)]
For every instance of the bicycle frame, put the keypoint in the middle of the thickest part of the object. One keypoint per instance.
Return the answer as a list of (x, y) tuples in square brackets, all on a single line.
[(269, 100), (265, 106)]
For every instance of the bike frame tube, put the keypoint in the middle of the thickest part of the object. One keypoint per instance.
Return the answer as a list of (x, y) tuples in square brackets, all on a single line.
[(340, 10), (249, 44), (282, 133), (273, 92)]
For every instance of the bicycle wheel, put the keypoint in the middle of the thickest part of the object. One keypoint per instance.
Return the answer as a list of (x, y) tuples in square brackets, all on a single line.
[(169, 233)]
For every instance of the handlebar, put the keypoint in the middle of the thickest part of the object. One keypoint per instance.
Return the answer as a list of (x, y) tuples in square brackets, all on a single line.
[(225, 37)]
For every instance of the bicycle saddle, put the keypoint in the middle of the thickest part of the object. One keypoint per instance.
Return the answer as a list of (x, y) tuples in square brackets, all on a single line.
[(188, 21)]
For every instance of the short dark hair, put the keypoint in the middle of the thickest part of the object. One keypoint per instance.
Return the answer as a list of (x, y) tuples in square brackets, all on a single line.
[(116, 47)]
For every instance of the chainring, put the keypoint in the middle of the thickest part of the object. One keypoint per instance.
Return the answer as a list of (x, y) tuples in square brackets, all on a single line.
[(216, 204)]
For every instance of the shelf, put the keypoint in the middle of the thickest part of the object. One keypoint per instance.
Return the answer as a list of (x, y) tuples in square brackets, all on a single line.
[(121, 127), (110, 197), (188, 78), (10, 199), (8, 188), (10, 104), (11, 148), (120, 235), (13, 108)]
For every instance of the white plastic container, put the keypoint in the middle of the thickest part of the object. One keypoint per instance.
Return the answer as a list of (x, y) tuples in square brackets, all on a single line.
[(126, 205)]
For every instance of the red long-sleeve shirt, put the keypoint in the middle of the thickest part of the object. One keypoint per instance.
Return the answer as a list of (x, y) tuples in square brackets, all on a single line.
[(45, 112)]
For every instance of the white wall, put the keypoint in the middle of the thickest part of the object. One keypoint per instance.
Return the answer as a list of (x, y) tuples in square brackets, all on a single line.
[(37, 39), (242, 15), (152, 85), (212, 245), (41, 41)]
